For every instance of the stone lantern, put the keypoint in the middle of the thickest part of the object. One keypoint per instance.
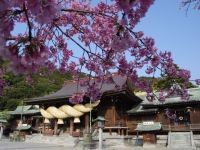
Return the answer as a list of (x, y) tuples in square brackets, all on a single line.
[(100, 122), (100, 125)]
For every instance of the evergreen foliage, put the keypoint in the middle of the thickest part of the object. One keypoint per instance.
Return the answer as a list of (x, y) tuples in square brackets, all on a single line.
[(18, 89)]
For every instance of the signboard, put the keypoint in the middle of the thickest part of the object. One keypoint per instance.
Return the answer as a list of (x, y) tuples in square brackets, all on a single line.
[(147, 123)]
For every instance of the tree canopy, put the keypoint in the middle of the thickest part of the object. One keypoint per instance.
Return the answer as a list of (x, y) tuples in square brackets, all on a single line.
[(18, 88)]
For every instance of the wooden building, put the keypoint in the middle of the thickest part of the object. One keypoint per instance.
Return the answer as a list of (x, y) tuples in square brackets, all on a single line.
[(175, 114), (116, 100), (122, 109), (25, 118), (148, 131)]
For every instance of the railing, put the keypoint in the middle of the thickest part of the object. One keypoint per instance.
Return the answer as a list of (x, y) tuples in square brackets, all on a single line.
[(189, 127), (195, 126), (120, 130)]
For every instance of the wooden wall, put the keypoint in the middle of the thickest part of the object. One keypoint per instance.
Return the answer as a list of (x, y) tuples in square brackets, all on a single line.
[(133, 120), (111, 116), (162, 118), (149, 138), (114, 117), (195, 116)]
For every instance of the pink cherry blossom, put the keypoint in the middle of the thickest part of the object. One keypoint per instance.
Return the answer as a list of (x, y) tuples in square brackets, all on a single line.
[(76, 98), (78, 36), (170, 114), (43, 11)]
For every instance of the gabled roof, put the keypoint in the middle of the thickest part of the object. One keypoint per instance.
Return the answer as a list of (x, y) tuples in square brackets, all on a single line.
[(120, 83), (28, 109)]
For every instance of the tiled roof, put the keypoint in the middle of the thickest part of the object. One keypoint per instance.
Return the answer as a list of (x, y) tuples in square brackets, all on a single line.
[(29, 109), (148, 127), (24, 127), (140, 110), (194, 97), (71, 87)]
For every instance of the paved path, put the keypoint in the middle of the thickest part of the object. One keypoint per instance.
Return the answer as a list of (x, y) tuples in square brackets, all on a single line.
[(6, 145), (28, 146), (39, 146)]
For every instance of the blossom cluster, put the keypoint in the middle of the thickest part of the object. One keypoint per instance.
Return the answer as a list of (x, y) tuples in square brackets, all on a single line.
[(76, 98), (170, 114), (103, 35)]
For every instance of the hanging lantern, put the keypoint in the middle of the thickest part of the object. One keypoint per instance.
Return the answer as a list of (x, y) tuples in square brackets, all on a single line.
[(77, 120), (46, 120), (60, 121)]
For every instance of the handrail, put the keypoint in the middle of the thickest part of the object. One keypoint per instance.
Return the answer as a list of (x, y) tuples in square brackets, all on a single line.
[(181, 127)]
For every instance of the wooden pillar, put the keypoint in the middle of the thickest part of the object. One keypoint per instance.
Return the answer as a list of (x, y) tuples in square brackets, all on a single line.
[(71, 128), (127, 131), (55, 127), (36, 122), (114, 116), (119, 131), (110, 131), (43, 127), (87, 123), (122, 131)]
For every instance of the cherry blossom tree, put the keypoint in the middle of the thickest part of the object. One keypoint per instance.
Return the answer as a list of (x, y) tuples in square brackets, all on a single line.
[(104, 36)]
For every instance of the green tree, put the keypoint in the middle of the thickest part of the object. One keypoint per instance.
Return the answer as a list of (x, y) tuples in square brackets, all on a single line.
[(18, 88)]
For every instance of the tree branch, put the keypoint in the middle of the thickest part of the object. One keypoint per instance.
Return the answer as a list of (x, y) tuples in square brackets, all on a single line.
[(86, 12), (88, 52), (28, 23)]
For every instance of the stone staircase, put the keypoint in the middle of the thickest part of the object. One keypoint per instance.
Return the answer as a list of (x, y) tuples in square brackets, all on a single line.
[(162, 140), (180, 140)]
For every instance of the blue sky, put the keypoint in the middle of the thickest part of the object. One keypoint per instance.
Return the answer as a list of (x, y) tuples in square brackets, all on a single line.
[(175, 30)]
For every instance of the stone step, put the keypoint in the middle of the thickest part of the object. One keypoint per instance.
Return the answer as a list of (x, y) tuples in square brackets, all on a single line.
[(180, 140), (162, 137), (161, 141)]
